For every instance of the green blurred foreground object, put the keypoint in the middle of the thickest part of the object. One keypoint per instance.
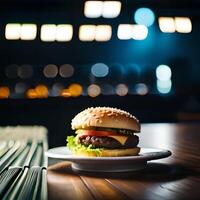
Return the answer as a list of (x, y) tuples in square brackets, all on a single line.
[(22, 163)]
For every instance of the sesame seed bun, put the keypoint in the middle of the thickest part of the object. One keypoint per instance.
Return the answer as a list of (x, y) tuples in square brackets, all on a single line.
[(105, 117)]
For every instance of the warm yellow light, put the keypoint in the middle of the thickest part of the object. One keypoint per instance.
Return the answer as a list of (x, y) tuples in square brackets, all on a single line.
[(93, 9), (42, 91), (183, 24), (107, 9), (167, 24), (75, 89), (103, 33), (87, 32), (64, 32), (111, 9), (31, 94), (48, 32), (93, 90), (28, 31), (12, 31), (4, 92), (65, 93)]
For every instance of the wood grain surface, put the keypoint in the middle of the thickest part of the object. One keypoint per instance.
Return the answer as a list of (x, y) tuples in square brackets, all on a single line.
[(176, 177)]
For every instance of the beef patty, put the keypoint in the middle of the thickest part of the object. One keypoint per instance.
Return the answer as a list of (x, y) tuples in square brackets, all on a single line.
[(108, 142)]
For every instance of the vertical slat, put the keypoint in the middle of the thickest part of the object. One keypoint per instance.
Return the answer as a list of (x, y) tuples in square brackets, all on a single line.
[(22, 156), (31, 153), (14, 156), (29, 185), (43, 192), (2, 175), (12, 192), (44, 158), (37, 157), (9, 176), (6, 158), (38, 184), (28, 182), (3, 148)]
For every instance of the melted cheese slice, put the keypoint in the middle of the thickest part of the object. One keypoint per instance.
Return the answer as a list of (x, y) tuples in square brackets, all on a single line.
[(121, 139)]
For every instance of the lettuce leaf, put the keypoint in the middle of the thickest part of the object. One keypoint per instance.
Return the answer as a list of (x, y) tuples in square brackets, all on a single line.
[(72, 146)]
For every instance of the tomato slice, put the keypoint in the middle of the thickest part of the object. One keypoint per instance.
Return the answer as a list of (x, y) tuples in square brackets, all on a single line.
[(96, 133)]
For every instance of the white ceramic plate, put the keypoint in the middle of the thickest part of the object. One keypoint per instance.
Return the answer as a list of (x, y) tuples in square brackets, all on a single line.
[(106, 164)]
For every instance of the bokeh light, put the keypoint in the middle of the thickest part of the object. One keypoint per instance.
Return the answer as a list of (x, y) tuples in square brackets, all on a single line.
[(65, 93), (163, 72), (141, 88), (28, 31), (31, 94), (41, 91), (64, 32), (56, 89), (75, 90), (53, 32), (140, 32), (144, 16), (125, 31), (122, 89), (4, 92), (111, 9), (20, 88), (93, 90), (103, 33), (12, 31), (50, 71), (100, 70), (130, 31), (93, 9), (167, 24), (66, 70), (106, 9), (87, 33), (25, 71), (164, 87), (183, 24), (48, 32)]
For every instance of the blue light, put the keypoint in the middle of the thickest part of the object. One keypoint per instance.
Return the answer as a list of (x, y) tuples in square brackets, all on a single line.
[(163, 72), (164, 87), (144, 16), (100, 70)]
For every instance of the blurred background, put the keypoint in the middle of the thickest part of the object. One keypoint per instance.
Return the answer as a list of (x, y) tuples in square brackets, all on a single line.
[(58, 57)]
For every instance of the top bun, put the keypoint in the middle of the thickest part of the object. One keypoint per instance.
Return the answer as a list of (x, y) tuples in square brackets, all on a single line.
[(106, 117)]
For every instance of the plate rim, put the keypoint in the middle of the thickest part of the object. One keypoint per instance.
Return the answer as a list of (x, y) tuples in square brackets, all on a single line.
[(163, 153)]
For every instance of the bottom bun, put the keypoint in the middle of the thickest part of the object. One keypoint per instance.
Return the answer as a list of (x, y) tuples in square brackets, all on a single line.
[(110, 153)]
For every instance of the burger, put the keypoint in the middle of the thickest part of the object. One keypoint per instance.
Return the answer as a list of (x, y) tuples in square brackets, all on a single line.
[(104, 132)]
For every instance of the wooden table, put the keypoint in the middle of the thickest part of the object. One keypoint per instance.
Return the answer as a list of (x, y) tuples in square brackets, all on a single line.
[(176, 177)]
